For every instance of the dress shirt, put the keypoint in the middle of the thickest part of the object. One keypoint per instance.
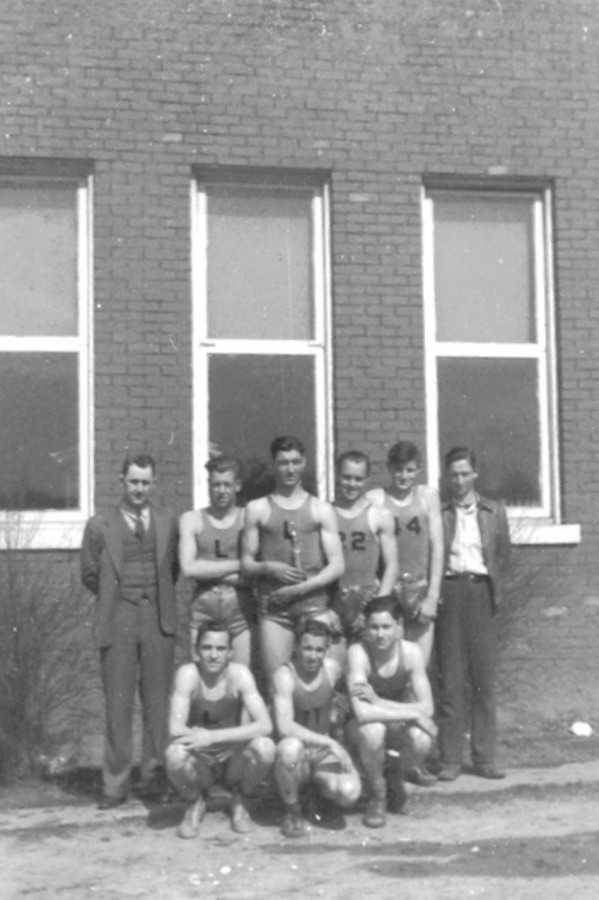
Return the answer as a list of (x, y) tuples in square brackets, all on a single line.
[(131, 517), (466, 551)]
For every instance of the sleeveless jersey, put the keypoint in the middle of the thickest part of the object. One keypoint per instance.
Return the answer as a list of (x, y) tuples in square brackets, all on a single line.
[(361, 550), (312, 709), (222, 713), (411, 534), (219, 543), (291, 536), (391, 687)]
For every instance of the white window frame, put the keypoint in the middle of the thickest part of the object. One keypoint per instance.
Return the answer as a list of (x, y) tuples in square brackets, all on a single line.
[(540, 524), (319, 349), (57, 528)]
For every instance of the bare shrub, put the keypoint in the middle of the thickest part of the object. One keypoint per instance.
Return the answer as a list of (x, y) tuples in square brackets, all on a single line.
[(46, 666)]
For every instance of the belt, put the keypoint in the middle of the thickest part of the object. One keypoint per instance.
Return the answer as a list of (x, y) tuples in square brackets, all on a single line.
[(474, 577)]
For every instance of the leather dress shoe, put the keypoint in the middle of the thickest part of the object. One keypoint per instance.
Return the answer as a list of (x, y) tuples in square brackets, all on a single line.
[(488, 772), (449, 772), (108, 802), (421, 776)]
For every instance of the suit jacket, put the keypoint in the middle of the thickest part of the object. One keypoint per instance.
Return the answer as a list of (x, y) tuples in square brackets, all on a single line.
[(102, 563), (495, 538)]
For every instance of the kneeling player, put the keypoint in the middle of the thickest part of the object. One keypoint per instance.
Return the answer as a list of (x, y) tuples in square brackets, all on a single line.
[(219, 728), (393, 707), (303, 703)]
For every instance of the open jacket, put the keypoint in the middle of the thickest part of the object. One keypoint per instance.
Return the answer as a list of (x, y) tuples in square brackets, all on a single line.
[(495, 538), (102, 563)]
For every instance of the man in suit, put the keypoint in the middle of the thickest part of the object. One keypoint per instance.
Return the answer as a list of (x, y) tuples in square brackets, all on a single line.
[(477, 545), (129, 561)]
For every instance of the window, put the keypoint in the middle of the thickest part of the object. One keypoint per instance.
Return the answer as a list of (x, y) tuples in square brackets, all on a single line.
[(44, 354), (489, 339), (261, 321)]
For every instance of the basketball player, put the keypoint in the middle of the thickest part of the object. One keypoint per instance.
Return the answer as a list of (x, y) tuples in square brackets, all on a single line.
[(291, 548), (209, 552), (219, 729), (418, 530), (307, 754)]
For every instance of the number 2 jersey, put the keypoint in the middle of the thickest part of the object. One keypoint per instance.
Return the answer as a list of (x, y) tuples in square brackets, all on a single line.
[(361, 551)]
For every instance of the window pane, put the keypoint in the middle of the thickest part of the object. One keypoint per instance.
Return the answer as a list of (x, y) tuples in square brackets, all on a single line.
[(484, 277), (252, 399), (39, 438), (38, 247), (491, 406), (259, 263)]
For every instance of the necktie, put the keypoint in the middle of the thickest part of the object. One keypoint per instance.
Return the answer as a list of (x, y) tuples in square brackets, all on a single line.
[(139, 527)]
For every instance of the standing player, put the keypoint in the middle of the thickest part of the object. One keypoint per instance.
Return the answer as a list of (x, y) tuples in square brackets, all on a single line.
[(368, 542), (219, 729), (210, 550), (303, 702), (393, 707), (419, 534), (292, 547)]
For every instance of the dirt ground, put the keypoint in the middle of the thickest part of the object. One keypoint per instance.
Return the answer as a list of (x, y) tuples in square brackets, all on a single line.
[(533, 835)]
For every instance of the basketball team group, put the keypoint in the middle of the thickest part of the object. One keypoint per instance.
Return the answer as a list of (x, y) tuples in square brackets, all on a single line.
[(313, 628)]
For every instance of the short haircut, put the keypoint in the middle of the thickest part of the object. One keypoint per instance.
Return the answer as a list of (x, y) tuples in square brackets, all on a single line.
[(141, 460), (402, 453), (354, 456), (284, 444), (212, 625), (387, 604), (456, 454), (223, 463), (314, 627)]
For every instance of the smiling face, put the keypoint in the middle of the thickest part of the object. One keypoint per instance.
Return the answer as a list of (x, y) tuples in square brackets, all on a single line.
[(213, 650), (351, 480), (138, 484), (223, 488), (403, 477), (310, 652), (382, 630)]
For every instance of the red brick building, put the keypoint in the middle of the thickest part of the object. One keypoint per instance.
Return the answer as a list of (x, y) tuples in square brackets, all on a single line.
[(353, 221)]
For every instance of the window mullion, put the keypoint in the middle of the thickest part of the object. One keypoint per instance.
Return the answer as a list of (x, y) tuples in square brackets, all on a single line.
[(491, 351)]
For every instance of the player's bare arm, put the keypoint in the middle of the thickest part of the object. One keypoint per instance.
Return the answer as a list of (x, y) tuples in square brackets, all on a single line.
[(255, 723), (325, 517), (369, 707), (287, 726), (382, 522), (192, 566), (185, 681), (376, 496), (428, 608)]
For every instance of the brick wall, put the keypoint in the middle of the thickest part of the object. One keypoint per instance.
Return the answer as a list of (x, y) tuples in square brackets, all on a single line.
[(378, 92)]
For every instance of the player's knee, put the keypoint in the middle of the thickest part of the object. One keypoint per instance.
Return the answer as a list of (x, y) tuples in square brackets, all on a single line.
[(421, 742), (289, 752), (350, 789), (372, 735), (263, 749), (175, 757)]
